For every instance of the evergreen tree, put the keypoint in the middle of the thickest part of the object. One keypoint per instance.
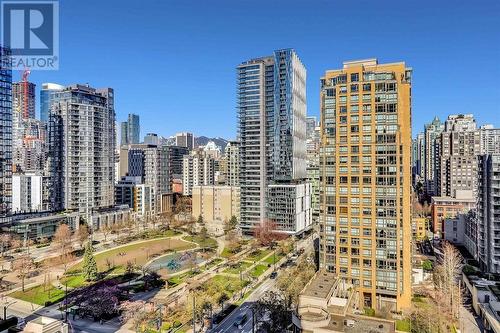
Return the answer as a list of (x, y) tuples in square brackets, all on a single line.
[(89, 270)]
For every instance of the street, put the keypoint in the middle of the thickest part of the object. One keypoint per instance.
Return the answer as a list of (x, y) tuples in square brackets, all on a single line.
[(228, 324)]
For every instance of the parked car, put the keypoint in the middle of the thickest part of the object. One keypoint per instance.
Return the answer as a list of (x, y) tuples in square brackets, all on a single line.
[(273, 275)]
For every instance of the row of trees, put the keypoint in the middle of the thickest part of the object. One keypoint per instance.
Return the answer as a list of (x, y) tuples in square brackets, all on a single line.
[(438, 310)]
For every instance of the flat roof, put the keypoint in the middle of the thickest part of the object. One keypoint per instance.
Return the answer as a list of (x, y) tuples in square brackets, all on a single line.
[(320, 285)]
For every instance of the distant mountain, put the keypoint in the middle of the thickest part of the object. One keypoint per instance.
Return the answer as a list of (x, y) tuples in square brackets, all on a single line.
[(203, 140)]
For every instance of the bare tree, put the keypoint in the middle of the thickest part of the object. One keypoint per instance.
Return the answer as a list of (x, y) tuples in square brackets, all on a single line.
[(5, 240), (63, 239), (446, 279), (106, 230), (23, 267), (83, 234)]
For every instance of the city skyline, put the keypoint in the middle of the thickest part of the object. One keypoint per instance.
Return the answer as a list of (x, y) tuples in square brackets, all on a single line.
[(169, 68)]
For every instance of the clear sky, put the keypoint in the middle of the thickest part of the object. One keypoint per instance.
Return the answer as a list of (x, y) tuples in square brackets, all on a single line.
[(173, 61)]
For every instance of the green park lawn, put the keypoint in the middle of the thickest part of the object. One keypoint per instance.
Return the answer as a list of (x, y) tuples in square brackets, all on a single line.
[(212, 263), (206, 242), (270, 260), (73, 281), (257, 255), (258, 270), (226, 253), (239, 266), (229, 284), (137, 253), (39, 296)]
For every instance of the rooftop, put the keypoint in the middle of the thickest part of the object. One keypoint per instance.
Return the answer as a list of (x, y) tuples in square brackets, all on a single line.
[(320, 285)]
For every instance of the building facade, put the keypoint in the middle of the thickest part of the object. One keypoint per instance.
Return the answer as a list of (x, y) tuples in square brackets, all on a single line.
[(289, 207), (28, 193), (81, 149), (130, 130), (489, 140), (5, 135), (45, 99), (230, 164), (365, 169), (198, 169), (432, 133), (216, 204), (272, 129), (185, 139), (460, 145), (488, 213)]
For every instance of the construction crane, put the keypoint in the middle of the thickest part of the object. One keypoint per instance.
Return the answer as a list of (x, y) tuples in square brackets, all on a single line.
[(26, 74)]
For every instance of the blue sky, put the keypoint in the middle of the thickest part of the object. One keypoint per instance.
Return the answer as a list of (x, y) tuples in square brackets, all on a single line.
[(173, 62)]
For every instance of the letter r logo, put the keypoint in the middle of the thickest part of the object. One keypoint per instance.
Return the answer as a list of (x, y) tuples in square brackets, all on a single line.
[(29, 27)]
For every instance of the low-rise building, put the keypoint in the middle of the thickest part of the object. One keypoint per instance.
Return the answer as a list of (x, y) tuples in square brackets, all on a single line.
[(419, 228), (216, 204), (46, 325), (327, 305), (449, 207), (454, 229), (485, 295), (108, 217)]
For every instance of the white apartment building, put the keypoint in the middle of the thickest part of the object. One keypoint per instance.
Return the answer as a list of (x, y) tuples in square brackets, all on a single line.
[(27, 192), (198, 168)]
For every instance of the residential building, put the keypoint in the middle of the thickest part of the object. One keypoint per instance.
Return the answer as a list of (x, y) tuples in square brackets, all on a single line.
[(272, 130), (198, 169), (5, 135), (216, 204), (454, 229), (23, 99), (489, 140), (311, 125), (28, 193), (460, 144), (313, 175), (365, 167), (230, 165), (151, 139), (81, 149), (449, 207), (29, 144), (289, 207), (185, 139), (141, 198), (211, 149), (418, 158), (419, 228), (171, 164), (432, 133), (131, 130), (45, 99), (327, 305), (488, 214)]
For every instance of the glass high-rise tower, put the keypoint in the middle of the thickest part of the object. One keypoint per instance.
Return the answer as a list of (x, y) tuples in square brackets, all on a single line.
[(365, 173), (272, 130), (5, 134)]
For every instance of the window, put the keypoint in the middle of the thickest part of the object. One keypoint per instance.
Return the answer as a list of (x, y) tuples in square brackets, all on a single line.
[(330, 92), (354, 88), (367, 87), (354, 77)]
